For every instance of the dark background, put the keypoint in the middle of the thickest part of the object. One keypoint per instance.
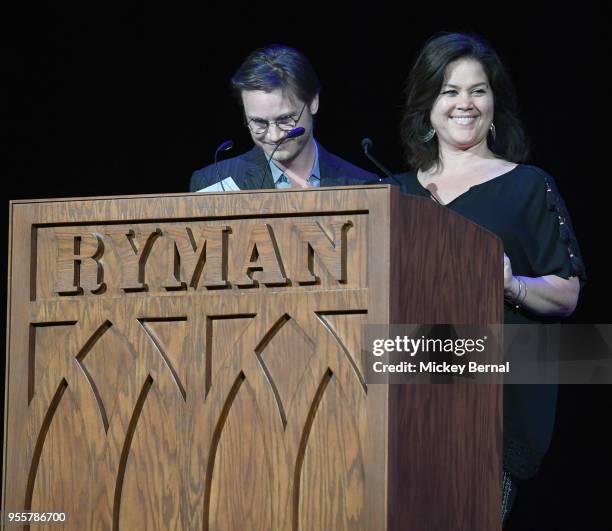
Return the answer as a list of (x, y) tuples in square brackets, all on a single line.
[(130, 101)]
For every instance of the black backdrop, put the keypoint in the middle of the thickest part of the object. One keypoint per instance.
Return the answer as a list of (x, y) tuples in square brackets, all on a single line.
[(132, 100)]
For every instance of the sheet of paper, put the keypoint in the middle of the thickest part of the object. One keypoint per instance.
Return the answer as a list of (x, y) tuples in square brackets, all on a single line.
[(226, 185)]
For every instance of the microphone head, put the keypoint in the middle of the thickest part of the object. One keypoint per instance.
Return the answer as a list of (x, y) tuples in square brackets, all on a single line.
[(366, 144), (226, 146), (294, 133)]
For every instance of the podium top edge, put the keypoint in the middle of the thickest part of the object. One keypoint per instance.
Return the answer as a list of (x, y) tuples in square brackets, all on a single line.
[(189, 194)]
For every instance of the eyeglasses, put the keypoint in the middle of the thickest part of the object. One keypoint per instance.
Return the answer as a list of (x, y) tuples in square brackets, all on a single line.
[(259, 126)]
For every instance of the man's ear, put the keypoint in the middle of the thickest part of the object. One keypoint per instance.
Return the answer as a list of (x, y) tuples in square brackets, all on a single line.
[(314, 105)]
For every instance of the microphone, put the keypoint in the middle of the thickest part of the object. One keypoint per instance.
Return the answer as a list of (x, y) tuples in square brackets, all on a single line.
[(366, 144), (225, 146), (294, 133)]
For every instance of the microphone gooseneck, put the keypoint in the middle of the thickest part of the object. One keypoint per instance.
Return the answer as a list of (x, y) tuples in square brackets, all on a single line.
[(366, 145), (225, 146)]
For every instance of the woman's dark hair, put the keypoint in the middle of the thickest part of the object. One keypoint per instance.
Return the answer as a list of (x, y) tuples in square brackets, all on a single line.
[(423, 87), (275, 67)]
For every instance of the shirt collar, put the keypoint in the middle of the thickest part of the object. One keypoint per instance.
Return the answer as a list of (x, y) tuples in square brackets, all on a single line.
[(315, 172)]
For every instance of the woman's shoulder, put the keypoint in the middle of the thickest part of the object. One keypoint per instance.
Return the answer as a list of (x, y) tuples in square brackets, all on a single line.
[(533, 175), (527, 181)]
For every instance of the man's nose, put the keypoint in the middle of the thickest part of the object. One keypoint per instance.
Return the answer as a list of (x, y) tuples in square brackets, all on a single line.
[(275, 133)]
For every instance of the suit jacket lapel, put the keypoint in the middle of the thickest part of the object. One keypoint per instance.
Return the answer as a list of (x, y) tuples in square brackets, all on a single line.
[(327, 169), (257, 175)]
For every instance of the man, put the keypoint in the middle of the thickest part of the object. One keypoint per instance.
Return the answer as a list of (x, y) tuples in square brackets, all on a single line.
[(279, 91)]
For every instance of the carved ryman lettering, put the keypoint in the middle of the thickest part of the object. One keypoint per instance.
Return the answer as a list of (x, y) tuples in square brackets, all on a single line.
[(263, 262), (202, 256), (197, 256), (133, 249), (329, 246), (77, 266)]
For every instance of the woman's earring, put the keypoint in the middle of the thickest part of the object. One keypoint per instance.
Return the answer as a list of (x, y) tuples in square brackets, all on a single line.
[(492, 129), (430, 134)]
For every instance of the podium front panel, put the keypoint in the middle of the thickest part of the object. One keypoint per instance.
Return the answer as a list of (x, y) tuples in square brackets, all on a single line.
[(194, 361)]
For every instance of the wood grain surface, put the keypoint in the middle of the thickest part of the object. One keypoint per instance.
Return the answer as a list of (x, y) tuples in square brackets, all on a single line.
[(194, 361)]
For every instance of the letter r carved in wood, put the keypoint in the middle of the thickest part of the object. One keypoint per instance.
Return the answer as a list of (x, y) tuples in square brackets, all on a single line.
[(78, 268)]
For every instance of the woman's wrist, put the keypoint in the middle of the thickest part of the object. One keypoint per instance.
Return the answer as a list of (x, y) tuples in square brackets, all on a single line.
[(517, 292)]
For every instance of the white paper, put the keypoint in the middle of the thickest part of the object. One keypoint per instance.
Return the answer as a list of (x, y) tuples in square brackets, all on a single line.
[(226, 185)]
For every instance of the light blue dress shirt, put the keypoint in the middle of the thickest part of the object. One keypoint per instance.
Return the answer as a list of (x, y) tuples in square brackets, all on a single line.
[(282, 181)]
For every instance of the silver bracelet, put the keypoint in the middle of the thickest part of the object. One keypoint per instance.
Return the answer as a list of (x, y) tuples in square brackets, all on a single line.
[(524, 292), (518, 301), (518, 295)]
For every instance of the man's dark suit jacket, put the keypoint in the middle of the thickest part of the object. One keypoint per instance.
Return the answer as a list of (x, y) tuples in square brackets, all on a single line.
[(250, 172)]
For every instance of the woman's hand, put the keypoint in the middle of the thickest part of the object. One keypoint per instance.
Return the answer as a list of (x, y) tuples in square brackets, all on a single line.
[(511, 283)]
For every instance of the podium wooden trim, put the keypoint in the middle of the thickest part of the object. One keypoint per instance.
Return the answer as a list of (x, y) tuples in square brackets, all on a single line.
[(194, 361)]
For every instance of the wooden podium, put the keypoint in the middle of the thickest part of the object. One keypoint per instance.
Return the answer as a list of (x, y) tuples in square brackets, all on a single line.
[(194, 361)]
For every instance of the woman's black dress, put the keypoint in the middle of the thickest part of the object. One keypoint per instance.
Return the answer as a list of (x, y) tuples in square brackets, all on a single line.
[(523, 207)]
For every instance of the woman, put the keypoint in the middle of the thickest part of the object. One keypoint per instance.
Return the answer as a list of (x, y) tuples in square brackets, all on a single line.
[(461, 132)]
